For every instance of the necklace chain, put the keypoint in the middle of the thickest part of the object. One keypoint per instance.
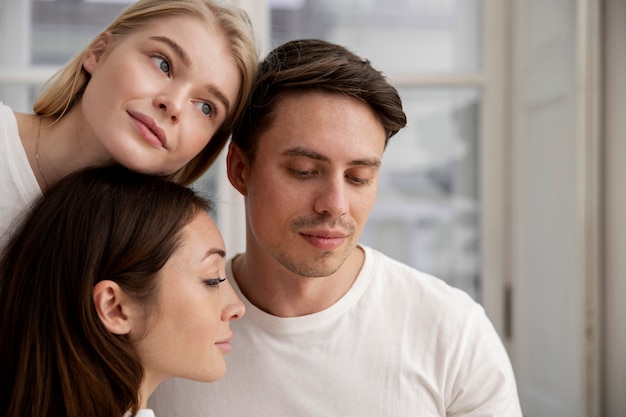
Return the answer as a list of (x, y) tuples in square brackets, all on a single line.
[(37, 155)]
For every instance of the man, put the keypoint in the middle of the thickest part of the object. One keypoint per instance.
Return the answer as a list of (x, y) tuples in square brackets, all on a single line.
[(334, 328)]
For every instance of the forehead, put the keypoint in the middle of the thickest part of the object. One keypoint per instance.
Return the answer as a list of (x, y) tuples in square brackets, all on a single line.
[(203, 232), (172, 24), (196, 239), (320, 105), (200, 39), (324, 122)]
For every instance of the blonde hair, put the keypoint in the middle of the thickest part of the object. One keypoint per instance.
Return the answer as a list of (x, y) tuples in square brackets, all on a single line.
[(66, 87)]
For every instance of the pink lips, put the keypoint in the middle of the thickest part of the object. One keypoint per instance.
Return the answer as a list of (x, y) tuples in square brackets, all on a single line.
[(326, 241), (149, 130), (224, 345)]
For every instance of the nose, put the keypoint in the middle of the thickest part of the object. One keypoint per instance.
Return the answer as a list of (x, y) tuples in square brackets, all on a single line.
[(332, 198), (234, 309), (170, 104)]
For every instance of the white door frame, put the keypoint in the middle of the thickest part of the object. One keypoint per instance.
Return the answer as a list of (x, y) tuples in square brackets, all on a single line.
[(614, 228), (555, 206)]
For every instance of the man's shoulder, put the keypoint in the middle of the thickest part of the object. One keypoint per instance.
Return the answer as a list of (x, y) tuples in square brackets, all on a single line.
[(382, 264), (410, 284)]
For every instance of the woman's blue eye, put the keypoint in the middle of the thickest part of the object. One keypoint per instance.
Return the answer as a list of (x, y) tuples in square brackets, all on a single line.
[(162, 64), (206, 108)]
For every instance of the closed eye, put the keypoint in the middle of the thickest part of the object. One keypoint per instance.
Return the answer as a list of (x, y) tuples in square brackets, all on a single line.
[(357, 180), (213, 282), (301, 173)]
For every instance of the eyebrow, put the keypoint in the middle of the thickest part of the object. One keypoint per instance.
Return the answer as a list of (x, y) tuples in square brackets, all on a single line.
[(178, 50), (307, 153), (184, 57), (214, 251)]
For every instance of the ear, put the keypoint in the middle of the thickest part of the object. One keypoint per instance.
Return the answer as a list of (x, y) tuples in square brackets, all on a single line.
[(96, 49), (237, 168), (112, 305)]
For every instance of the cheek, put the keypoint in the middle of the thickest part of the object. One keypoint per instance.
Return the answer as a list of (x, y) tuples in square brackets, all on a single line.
[(193, 133), (269, 194), (362, 206), (269, 210), (196, 133), (196, 327), (126, 73), (102, 98)]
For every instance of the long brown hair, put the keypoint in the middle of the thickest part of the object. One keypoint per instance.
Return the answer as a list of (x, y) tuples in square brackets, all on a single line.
[(56, 356), (65, 89)]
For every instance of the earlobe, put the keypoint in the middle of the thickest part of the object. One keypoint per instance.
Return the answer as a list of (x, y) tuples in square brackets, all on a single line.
[(95, 51), (237, 168), (109, 300)]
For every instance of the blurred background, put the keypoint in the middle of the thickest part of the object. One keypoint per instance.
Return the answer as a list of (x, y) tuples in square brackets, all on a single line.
[(504, 183)]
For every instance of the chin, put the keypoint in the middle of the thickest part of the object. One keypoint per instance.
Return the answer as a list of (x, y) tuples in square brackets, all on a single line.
[(211, 375)]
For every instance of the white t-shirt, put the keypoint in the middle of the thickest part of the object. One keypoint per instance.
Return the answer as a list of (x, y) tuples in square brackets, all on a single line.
[(399, 343), (144, 412), (18, 185)]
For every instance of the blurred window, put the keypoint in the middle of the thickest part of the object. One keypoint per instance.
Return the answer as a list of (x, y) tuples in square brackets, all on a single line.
[(428, 208)]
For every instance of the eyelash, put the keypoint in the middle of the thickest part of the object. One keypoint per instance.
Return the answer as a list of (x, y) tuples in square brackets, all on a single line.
[(165, 60), (214, 282), (308, 174), (300, 174), (212, 107), (359, 181)]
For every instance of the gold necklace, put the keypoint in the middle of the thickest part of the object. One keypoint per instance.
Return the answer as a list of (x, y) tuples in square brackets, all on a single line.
[(37, 155)]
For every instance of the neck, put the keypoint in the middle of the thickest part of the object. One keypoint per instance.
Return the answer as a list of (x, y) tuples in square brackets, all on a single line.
[(147, 388), (57, 148), (277, 291)]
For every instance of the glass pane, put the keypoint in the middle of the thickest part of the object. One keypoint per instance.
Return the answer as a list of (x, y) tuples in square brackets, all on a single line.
[(427, 213), (49, 33), (61, 28), (398, 36)]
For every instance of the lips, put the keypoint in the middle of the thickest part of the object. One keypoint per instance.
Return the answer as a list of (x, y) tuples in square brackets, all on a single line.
[(324, 240), (325, 234), (224, 345), (149, 129)]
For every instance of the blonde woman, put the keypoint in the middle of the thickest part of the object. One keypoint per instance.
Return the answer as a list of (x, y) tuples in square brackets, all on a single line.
[(158, 91)]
